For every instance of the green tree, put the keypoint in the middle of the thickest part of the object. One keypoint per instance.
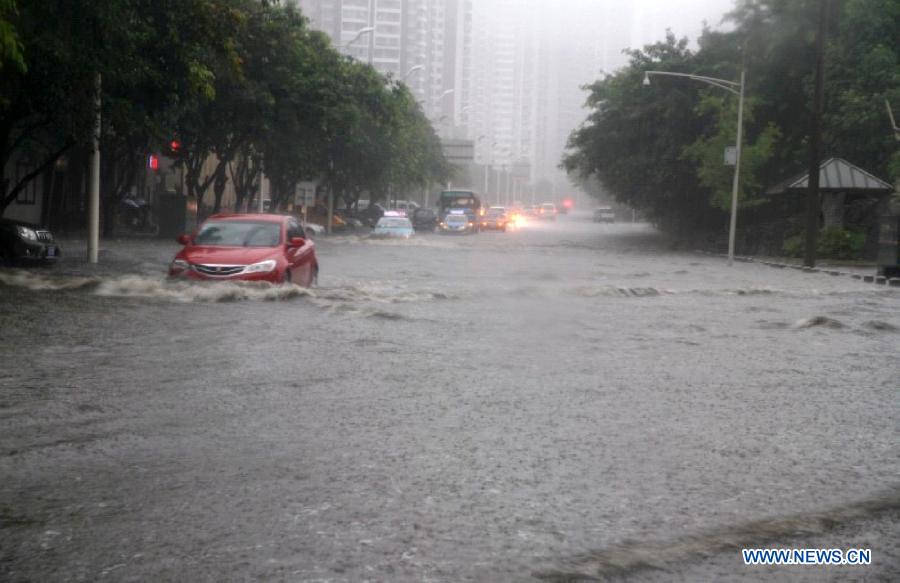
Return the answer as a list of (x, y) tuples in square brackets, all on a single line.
[(707, 152), (675, 131), (47, 99), (863, 60), (11, 50), (653, 125)]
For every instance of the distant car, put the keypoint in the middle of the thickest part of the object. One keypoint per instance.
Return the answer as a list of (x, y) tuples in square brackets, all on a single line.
[(248, 247), (604, 214), (371, 214), (424, 219), (407, 206), (530, 212), (495, 218), (393, 227), (457, 223), (22, 243), (547, 211)]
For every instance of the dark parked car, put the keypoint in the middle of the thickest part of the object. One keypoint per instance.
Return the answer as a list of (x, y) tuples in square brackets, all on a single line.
[(424, 219), (371, 214), (22, 242)]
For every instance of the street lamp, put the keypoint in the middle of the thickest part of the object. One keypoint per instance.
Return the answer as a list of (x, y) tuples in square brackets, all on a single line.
[(359, 35), (413, 70), (738, 89)]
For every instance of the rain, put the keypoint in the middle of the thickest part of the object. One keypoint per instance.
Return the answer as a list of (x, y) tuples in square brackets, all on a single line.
[(448, 290)]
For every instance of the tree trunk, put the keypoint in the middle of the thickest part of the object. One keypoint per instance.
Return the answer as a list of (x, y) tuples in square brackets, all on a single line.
[(221, 180)]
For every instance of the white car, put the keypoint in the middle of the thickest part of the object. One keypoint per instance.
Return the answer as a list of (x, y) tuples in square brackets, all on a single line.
[(407, 206), (604, 214)]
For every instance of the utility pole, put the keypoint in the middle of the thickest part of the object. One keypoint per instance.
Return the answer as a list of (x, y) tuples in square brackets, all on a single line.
[(508, 185), (735, 185), (813, 204), (260, 204), (93, 243), (329, 215)]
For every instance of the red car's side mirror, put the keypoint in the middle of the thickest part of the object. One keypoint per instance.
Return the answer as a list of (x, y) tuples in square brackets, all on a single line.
[(296, 242), (183, 239)]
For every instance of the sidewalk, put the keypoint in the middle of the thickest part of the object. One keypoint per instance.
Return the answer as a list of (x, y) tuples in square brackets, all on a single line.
[(851, 266), (121, 256), (860, 270)]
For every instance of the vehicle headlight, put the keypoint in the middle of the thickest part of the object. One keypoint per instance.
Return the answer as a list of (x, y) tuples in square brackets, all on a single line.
[(261, 267), (179, 265), (27, 233)]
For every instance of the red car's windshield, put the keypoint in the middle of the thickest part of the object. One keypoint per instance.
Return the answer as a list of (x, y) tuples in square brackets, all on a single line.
[(239, 234)]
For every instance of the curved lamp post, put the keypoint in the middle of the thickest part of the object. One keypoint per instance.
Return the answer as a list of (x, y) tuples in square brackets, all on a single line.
[(359, 34), (738, 89), (413, 70)]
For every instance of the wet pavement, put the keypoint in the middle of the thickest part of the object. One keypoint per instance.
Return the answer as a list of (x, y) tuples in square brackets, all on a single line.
[(492, 408)]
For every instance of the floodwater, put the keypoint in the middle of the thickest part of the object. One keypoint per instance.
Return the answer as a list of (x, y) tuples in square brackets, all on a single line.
[(564, 401)]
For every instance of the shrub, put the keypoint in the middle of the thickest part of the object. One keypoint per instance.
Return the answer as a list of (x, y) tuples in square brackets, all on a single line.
[(838, 243), (832, 243)]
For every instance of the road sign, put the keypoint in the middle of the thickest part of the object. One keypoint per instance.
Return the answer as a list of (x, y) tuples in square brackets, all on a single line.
[(730, 156), (459, 151)]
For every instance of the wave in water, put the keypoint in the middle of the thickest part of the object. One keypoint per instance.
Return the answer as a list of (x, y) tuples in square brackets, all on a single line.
[(150, 287), (629, 558), (818, 322), (140, 286)]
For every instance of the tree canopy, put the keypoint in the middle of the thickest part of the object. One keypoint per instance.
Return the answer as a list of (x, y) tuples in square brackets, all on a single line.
[(240, 87), (675, 130)]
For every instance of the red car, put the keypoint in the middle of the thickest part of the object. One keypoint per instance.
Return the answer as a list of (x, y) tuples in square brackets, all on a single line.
[(248, 247)]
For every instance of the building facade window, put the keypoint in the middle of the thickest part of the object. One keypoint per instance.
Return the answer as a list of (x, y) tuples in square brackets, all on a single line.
[(27, 195)]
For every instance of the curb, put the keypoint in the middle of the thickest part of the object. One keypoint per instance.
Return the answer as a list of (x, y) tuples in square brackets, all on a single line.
[(876, 279)]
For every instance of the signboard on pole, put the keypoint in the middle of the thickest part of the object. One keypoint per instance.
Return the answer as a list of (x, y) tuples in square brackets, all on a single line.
[(730, 156), (458, 151)]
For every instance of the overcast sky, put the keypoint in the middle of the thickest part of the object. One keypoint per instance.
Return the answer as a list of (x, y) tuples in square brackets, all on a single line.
[(684, 17)]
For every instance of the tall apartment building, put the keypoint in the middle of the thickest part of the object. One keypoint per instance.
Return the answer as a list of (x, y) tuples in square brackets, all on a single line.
[(425, 43), (497, 84), (533, 58)]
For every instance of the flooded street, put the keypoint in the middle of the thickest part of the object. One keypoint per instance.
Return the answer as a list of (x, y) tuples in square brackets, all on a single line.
[(490, 408)]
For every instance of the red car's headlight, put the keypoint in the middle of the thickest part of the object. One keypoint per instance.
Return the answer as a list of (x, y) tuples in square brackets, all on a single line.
[(261, 267), (179, 265)]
